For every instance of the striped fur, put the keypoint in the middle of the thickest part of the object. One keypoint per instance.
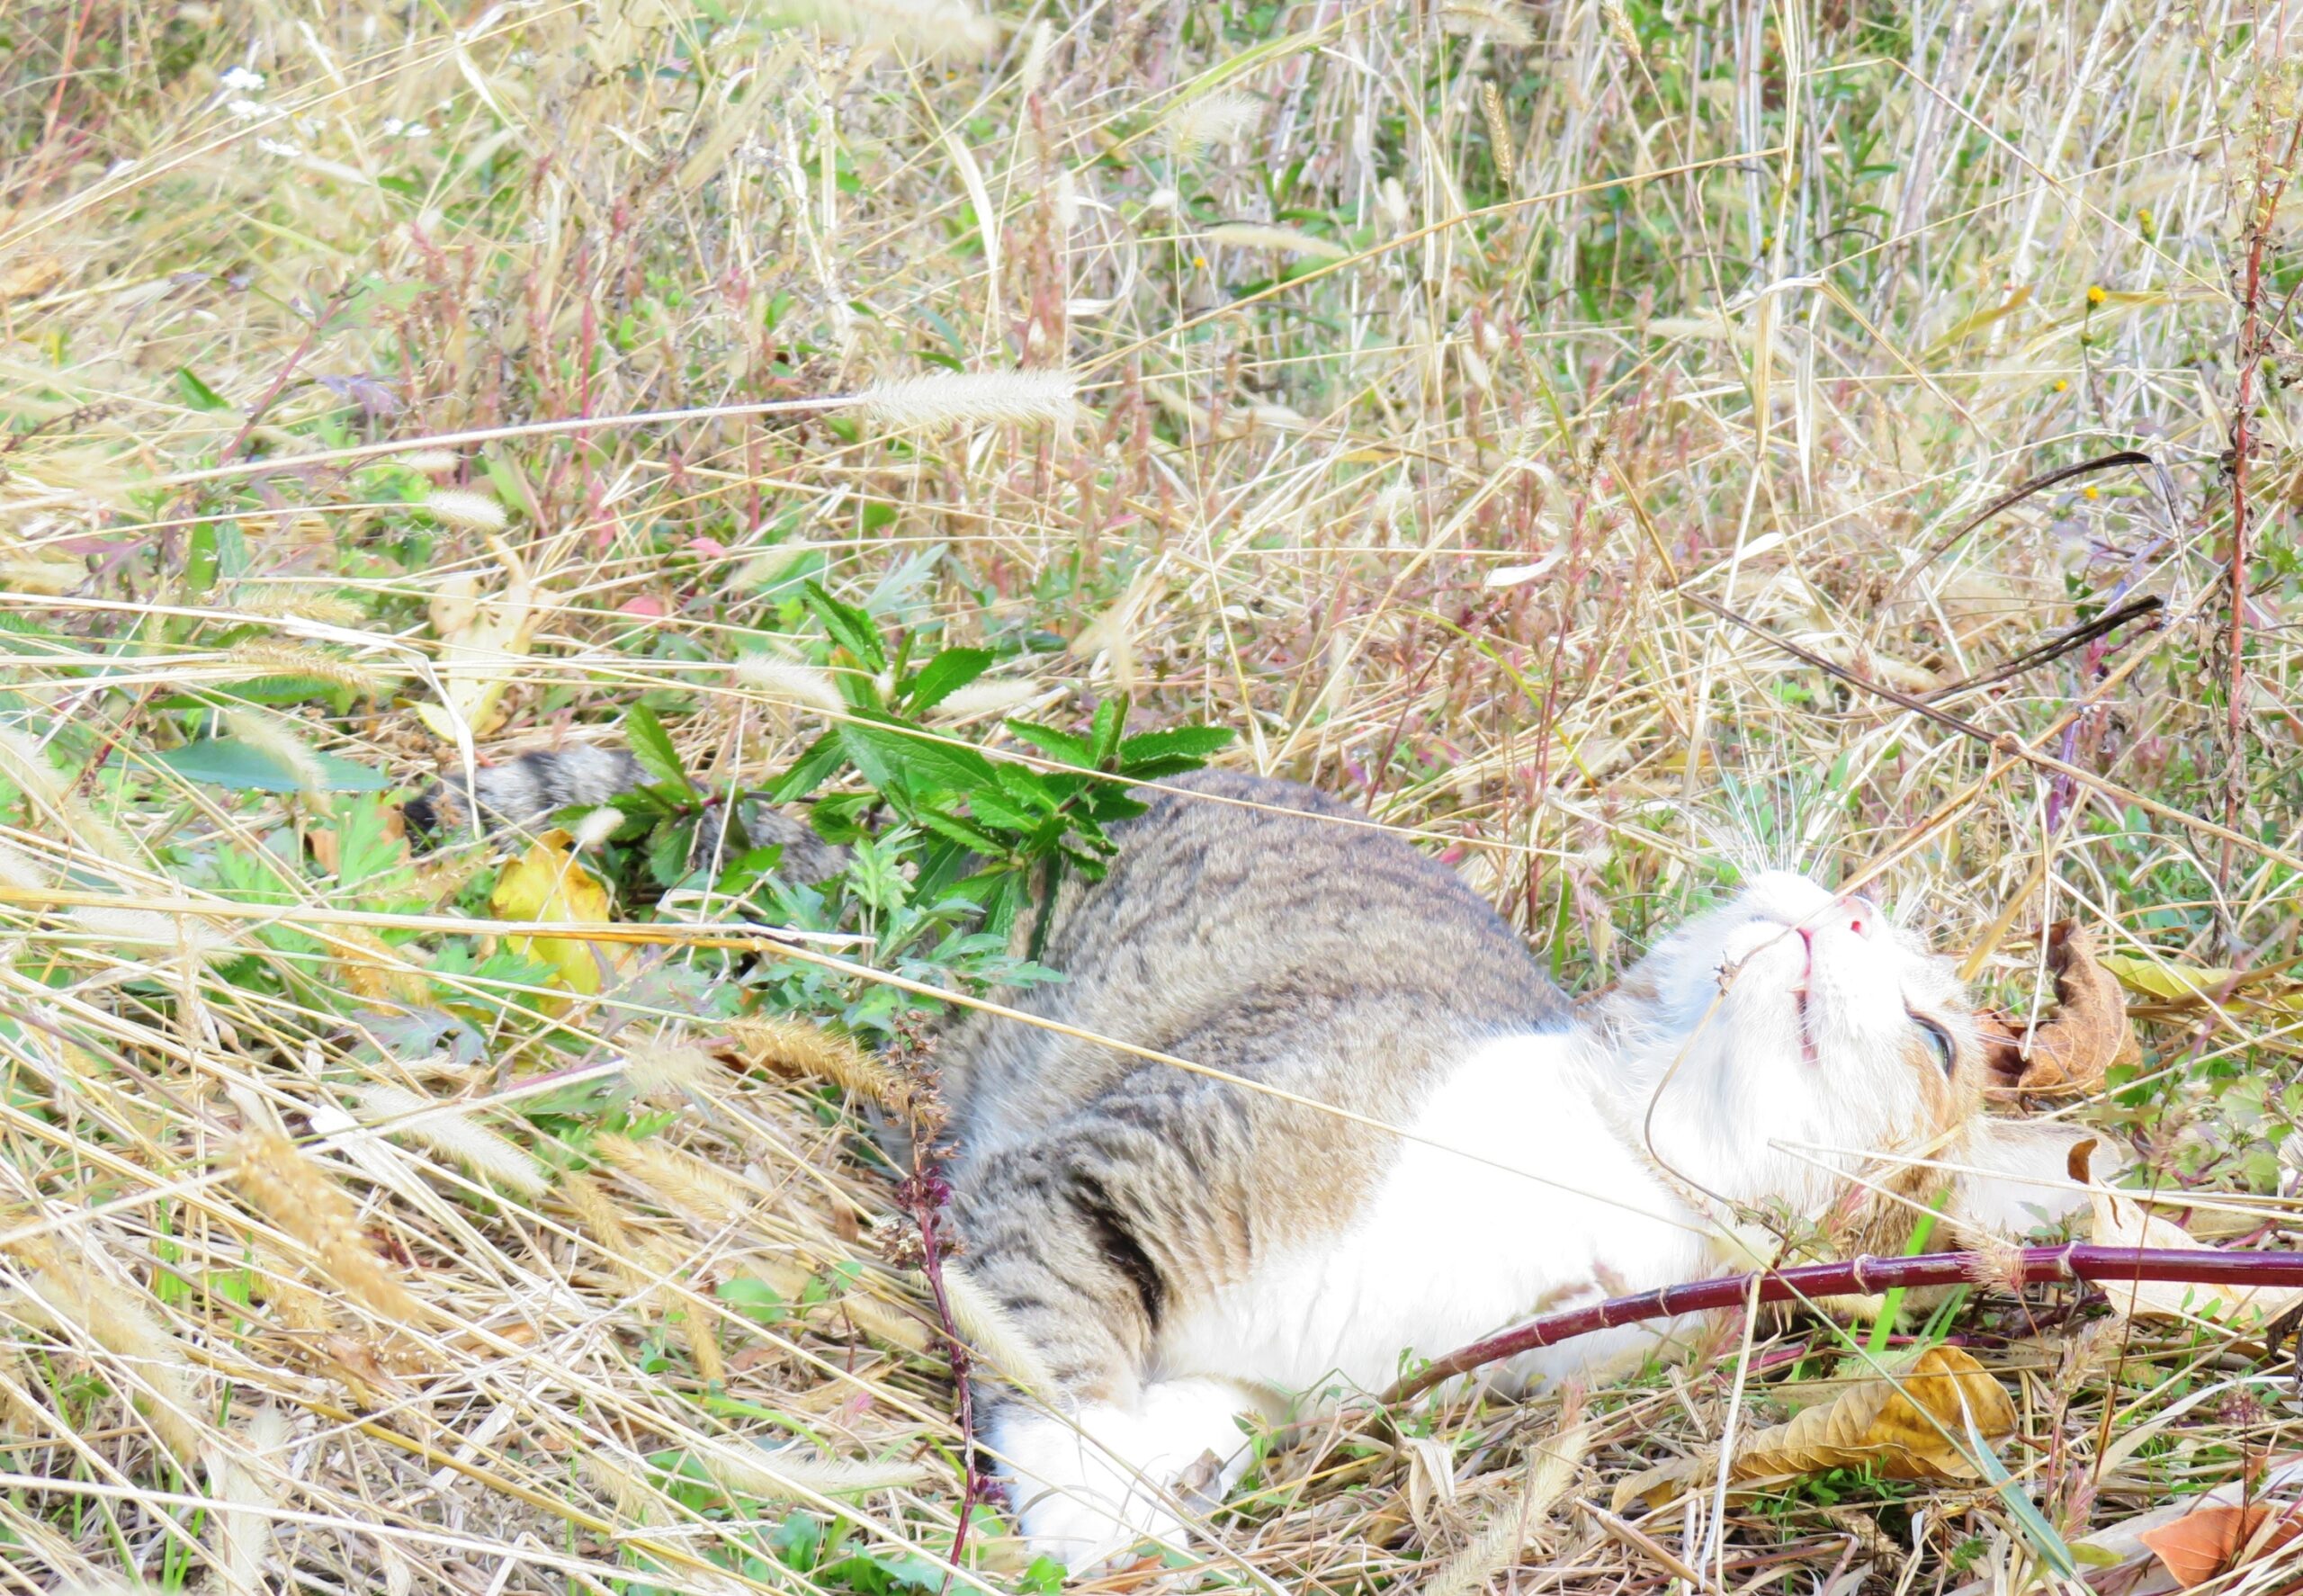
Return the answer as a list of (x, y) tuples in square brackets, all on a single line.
[(519, 795)]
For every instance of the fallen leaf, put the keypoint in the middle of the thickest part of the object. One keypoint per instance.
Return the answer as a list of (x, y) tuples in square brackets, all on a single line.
[(547, 883), (2087, 1034), (29, 274), (2169, 982), (2212, 1540), (1910, 1425), (2120, 1221)]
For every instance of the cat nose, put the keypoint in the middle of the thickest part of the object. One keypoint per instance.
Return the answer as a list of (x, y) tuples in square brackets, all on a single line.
[(1858, 913)]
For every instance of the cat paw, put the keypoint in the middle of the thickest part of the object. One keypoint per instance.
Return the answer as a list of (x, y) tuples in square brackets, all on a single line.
[(1094, 1484)]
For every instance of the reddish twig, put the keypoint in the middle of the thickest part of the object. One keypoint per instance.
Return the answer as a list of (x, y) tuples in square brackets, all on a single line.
[(2268, 187), (1864, 1275), (926, 1194)]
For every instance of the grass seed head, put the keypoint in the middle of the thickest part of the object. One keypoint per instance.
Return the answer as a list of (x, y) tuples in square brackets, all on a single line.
[(466, 510), (295, 1194), (800, 1048), (1222, 117), (786, 682), (453, 1134), (973, 398), (792, 1474)]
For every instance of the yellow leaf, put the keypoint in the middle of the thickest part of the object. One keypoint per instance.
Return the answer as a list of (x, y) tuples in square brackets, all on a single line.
[(547, 883), (1911, 1426)]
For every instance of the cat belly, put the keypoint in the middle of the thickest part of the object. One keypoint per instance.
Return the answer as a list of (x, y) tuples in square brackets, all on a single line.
[(1450, 1246)]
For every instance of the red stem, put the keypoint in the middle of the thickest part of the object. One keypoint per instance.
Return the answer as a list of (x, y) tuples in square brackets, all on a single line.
[(1864, 1275), (2250, 356)]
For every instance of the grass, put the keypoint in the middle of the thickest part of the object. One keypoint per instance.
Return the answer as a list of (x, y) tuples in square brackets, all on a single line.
[(1429, 368)]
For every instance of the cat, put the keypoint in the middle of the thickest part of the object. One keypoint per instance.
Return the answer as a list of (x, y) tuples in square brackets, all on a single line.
[(1431, 1141), (519, 795)]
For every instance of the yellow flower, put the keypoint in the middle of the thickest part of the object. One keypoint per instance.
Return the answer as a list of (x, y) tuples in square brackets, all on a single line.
[(2096, 294), (2091, 491), (2060, 385)]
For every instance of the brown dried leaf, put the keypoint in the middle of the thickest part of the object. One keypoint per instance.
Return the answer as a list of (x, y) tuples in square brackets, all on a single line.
[(2212, 1540), (2087, 1034), (1912, 1426)]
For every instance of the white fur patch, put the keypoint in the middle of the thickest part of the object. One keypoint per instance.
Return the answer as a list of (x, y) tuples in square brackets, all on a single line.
[(1097, 1485)]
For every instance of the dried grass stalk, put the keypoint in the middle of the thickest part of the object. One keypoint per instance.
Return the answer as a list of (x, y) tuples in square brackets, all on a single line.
[(935, 28), (301, 1200), (245, 1502), (687, 1185), (265, 657), (1500, 1545), (453, 1134), (1253, 235), (994, 1336), (790, 1474), (25, 763), (151, 1362), (800, 1048)]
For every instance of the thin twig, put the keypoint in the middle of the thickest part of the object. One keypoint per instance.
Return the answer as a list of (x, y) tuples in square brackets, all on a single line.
[(1864, 1276)]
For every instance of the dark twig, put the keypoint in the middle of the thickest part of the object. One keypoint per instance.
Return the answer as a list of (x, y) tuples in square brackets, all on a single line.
[(2006, 744), (2040, 484), (2032, 1265), (2057, 647)]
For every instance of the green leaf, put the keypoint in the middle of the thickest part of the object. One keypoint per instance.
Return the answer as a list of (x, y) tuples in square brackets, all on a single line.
[(1028, 789), (1076, 751), (913, 764), (946, 674), (810, 771), (1195, 743), (198, 394), (967, 834), (222, 763), (993, 810), (670, 846), (652, 745), (847, 625), (270, 689), (1104, 732)]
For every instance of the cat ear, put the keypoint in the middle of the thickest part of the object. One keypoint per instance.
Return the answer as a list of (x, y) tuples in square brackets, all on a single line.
[(2028, 1175)]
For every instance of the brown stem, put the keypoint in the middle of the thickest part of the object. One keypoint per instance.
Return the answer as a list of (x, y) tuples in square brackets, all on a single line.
[(1864, 1275), (2268, 187)]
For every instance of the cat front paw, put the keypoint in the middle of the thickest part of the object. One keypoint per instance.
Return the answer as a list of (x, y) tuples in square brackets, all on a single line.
[(1092, 1486)]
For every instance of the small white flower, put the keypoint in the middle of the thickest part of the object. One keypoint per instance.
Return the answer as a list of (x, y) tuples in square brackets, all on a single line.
[(239, 80), (416, 130), (246, 110), (393, 125), (280, 146)]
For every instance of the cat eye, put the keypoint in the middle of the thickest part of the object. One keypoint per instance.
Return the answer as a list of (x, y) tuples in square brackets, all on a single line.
[(1938, 1042)]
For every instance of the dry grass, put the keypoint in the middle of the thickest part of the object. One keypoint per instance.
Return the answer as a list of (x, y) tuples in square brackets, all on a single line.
[(1403, 375)]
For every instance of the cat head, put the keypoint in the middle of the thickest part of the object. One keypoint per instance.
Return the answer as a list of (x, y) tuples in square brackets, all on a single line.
[(1795, 1037)]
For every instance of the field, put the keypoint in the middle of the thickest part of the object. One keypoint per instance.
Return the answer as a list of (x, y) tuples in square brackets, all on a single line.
[(1576, 433)]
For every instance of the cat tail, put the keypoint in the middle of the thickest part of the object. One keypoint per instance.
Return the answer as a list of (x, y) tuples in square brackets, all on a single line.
[(520, 795)]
